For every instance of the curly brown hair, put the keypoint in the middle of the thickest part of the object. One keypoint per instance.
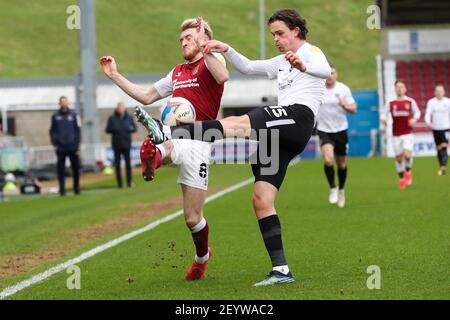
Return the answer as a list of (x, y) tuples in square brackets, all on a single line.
[(292, 19)]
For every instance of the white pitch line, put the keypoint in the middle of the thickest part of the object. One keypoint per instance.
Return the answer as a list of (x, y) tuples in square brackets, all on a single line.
[(60, 267)]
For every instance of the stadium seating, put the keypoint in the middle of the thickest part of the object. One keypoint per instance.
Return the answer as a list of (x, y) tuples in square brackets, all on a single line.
[(421, 77)]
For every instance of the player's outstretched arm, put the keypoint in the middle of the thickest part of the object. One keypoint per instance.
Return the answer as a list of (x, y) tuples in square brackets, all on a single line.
[(242, 63), (143, 95)]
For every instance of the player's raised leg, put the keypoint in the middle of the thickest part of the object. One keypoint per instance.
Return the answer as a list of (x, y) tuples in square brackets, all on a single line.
[(153, 156)]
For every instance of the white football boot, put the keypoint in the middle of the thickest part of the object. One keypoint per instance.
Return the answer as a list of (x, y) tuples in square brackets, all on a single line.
[(333, 197), (341, 198)]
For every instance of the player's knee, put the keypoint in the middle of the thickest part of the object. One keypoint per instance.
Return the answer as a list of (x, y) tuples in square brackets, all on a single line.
[(328, 158), (236, 123), (342, 163), (192, 217), (328, 161), (442, 146), (261, 203)]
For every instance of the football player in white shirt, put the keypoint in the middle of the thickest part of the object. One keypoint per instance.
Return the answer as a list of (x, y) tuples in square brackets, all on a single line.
[(437, 117), (332, 128), (301, 72)]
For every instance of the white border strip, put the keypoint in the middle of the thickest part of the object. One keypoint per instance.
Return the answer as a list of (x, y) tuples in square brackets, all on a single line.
[(60, 267)]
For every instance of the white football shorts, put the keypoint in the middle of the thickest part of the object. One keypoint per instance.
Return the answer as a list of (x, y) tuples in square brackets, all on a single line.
[(193, 159), (403, 142)]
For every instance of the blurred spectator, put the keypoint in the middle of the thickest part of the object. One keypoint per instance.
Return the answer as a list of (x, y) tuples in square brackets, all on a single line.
[(31, 185), (65, 137), (121, 125)]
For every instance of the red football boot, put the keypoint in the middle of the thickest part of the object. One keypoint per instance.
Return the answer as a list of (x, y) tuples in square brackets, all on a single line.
[(402, 184), (408, 178), (149, 159), (197, 270)]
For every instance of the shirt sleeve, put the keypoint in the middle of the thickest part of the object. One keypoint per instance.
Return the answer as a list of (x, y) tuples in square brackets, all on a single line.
[(385, 111), (77, 124), (348, 97), (415, 109), (428, 112), (165, 85), (253, 67), (53, 131), (317, 65)]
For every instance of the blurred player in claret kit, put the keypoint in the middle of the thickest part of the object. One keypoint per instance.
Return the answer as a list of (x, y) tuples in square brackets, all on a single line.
[(405, 113), (205, 74), (301, 71), (332, 127)]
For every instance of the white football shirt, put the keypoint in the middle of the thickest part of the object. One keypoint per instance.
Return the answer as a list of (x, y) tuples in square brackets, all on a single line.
[(294, 86), (438, 113), (332, 117)]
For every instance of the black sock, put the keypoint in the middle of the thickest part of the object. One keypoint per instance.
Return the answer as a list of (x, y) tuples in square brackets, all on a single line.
[(271, 232), (209, 131), (342, 176), (443, 157), (329, 172), (439, 156)]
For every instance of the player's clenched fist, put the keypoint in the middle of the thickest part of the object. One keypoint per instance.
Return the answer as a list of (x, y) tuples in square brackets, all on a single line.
[(109, 66), (215, 46), (295, 61)]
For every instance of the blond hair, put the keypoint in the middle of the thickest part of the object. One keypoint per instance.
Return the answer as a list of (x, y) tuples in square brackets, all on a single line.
[(193, 23)]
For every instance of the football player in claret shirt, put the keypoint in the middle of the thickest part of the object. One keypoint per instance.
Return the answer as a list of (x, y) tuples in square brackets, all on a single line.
[(405, 113), (201, 81)]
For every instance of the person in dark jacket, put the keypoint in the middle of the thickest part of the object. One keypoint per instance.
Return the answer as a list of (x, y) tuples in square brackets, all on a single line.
[(65, 137), (121, 125)]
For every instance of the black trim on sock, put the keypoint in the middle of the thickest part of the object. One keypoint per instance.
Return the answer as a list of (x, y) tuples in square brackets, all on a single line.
[(342, 177), (329, 173), (442, 157), (270, 228)]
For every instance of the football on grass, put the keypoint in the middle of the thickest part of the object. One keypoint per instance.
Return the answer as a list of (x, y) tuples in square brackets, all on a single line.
[(177, 111)]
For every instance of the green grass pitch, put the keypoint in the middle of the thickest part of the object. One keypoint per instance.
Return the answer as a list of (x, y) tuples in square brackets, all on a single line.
[(405, 233)]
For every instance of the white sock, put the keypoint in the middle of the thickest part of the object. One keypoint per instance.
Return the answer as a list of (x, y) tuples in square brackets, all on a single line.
[(400, 166), (283, 269), (162, 150), (203, 259), (166, 131), (409, 163), (199, 226)]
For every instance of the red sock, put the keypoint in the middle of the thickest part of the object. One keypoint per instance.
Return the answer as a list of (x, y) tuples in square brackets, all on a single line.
[(201, 239)]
